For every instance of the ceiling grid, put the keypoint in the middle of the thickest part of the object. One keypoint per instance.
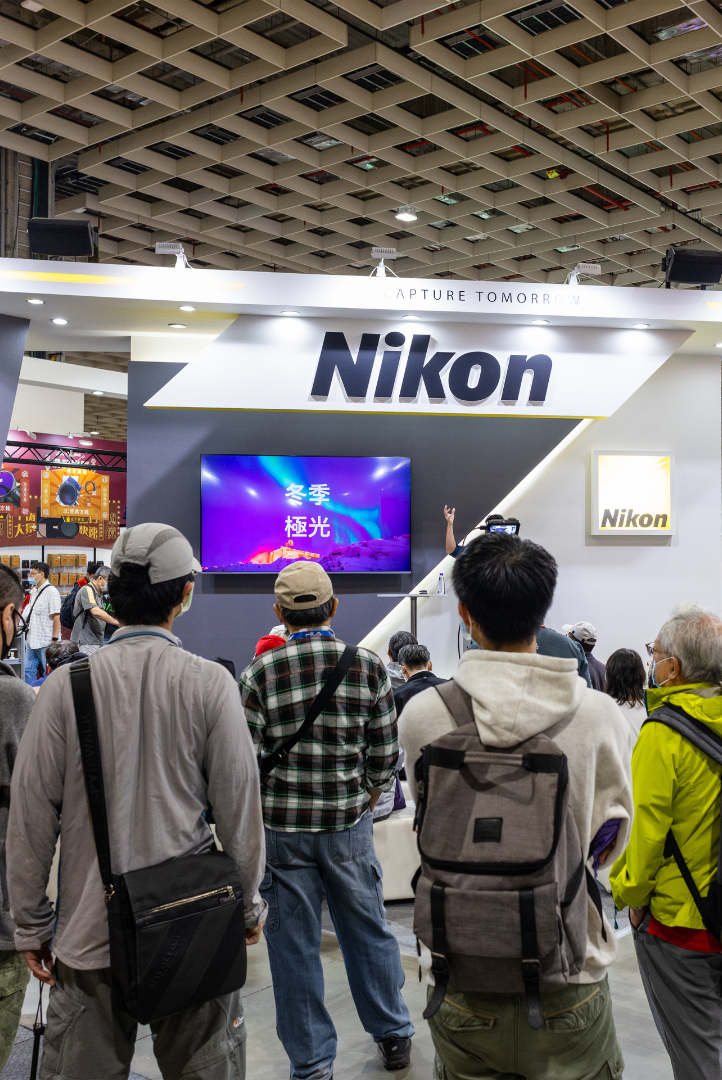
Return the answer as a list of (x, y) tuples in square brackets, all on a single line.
[(286, 134)]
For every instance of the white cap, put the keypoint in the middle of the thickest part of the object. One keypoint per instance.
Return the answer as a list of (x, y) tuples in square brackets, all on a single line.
[(160, 550), (584, 632)]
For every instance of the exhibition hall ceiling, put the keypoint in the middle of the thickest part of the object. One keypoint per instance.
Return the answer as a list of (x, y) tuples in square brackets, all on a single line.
[(286, 134)]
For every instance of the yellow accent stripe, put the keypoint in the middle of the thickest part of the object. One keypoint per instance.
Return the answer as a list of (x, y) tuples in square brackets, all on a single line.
[(91, 279)]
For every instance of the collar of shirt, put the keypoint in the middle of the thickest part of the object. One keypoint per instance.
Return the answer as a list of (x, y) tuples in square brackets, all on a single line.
[(418, 675), (301, 634), (142, 631)]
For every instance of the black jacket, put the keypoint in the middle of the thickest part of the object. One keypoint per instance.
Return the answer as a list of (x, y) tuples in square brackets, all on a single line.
[(597, 672), (421, 680)]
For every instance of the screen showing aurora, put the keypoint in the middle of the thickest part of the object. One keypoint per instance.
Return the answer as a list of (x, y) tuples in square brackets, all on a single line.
[(260, 513)]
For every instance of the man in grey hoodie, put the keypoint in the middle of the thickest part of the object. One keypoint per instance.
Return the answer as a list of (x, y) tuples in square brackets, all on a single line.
[(505, 586), (16, 702)]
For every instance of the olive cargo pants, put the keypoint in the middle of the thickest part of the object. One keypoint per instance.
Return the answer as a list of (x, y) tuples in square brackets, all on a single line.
[(14, 978), (485, 1036)]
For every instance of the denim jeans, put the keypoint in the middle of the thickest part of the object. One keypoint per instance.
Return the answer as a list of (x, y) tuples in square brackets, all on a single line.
[(34, 659), (301, 868)]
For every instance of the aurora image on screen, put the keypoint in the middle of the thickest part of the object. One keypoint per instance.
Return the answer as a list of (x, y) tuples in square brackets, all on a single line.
[(261, 513)]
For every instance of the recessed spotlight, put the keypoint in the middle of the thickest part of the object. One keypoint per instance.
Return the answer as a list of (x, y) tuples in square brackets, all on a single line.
[(186, 307), (98, 393), (641, 326), (34, 300), (405, 213), (85, 442), (60, 322), (410, 318), (177, 325), (289, 313), (541, 322)]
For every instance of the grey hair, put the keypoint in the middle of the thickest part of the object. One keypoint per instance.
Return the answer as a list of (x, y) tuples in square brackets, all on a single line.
[(693, 635)]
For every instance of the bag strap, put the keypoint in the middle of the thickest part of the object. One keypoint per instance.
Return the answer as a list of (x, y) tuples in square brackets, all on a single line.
[(457, 702), (439, 948), (530, 963), (86, 720), (596, 898), (32, 608), (329, 688)]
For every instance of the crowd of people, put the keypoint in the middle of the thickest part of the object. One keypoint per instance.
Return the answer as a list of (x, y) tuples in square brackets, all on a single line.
[(609, 766)]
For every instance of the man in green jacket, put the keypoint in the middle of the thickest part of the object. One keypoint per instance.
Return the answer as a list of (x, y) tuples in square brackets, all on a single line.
[(677, 788)]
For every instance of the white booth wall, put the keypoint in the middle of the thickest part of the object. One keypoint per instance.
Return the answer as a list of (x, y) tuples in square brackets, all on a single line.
[(625, 586)]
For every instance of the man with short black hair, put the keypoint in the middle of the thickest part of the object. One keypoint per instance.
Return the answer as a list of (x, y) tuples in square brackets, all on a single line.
[(505, 586), (42, 618), (89, 614), (396, 644), (319, 835), (173, 743), (57, 653), (415, 661)]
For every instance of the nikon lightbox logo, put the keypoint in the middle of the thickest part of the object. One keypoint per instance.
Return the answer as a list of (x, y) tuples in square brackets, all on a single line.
[(631, 493)]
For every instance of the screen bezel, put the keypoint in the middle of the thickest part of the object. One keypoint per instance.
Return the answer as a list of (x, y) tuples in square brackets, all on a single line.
[(342, 573)]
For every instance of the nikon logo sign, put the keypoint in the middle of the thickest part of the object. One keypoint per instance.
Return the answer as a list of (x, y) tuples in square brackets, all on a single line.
[(622, 482), (472, 377)]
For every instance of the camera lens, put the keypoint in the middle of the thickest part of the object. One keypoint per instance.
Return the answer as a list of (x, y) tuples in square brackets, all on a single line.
[(67, 493)]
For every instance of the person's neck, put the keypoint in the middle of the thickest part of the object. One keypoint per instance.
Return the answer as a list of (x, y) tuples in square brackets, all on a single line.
[(167, 625), (305, 629), (419, 671), (40, 582)]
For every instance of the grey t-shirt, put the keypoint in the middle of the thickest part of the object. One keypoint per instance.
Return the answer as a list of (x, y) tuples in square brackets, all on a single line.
[(87, 630)]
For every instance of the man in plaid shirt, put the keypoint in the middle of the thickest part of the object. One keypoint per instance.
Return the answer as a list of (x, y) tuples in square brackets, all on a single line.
[(319, 836)]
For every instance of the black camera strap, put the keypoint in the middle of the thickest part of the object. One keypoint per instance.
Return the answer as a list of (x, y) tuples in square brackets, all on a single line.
[(32, 606), (319, 703), (87, 723)]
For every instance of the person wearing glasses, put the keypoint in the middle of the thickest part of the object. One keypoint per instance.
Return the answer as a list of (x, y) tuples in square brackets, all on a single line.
[(677, 798), (16, 702)]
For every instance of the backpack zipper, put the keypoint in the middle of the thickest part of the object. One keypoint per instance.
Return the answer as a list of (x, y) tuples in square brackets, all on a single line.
[(226, 889)]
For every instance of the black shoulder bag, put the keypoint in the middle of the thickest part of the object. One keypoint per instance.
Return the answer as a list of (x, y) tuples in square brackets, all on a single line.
[(329, 688), (177, 929)]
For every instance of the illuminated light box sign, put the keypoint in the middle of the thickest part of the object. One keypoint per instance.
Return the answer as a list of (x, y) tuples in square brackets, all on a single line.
[(632, 493), (262, 513), (74, 493)]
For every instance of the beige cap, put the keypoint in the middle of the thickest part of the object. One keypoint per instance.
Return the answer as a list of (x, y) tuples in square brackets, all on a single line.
[(303, 585), (162, 551)]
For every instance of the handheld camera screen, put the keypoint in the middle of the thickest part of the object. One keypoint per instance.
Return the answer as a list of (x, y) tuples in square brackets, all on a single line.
[(261, 513), (511, 529)]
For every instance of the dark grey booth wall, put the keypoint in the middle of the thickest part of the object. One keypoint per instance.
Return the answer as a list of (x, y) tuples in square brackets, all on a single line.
[(467, 462)]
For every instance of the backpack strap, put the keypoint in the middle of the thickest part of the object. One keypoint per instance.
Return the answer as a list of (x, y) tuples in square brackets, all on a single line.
[(457, 702), (530, 963), (694, 731), (439, 948)]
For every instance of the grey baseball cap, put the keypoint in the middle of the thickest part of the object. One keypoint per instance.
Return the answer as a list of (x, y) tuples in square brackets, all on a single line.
[(160, 549)]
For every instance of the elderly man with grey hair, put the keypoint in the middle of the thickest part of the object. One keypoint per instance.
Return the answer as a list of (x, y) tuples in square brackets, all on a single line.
[(671, 864)]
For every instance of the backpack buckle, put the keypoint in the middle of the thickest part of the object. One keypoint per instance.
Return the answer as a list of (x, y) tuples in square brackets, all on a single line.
[(439, 964), (530, 970)]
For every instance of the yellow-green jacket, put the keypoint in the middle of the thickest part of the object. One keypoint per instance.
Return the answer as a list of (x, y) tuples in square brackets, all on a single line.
[(675, 786)]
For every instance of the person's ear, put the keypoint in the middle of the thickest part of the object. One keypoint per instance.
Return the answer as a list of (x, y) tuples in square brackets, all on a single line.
[(675, 668), (430, 667), (7, 621), (277, 609), (405, 672), (187, 588), (334, 609), (465, 616)]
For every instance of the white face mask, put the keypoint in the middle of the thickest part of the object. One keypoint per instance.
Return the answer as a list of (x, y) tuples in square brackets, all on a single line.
[(186, 604)]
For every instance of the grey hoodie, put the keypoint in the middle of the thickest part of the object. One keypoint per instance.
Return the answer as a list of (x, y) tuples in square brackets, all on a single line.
[(517, 695), (16, 703)]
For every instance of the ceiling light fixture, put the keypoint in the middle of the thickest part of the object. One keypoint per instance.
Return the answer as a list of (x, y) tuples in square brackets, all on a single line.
[(177, 325), (34, 300), (85, 442), (405, 213), (718, 345), (98, 393), (186, 307), (289, 313), (641, 326), (415, 318), (93, 433), (60, 322), (541, 322)]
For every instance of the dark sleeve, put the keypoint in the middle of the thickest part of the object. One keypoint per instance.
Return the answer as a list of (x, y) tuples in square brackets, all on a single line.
[(458, 550), (582, 661)]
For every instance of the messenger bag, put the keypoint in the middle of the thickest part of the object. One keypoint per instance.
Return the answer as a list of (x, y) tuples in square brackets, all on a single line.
[(177, 929)]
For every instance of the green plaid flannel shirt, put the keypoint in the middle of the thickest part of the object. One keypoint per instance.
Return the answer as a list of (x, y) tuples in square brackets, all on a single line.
[(352, 746)]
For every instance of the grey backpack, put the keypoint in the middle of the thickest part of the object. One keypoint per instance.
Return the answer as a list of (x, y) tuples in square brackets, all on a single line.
[(499, 896)]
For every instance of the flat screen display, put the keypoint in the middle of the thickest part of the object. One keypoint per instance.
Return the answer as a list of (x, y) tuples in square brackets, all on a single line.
[(349, 514)]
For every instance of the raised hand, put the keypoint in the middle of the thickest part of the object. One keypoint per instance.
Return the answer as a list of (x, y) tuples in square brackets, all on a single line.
[(449, 514)]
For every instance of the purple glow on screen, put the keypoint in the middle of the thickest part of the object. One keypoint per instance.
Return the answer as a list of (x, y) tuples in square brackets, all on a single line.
[(260, 513)]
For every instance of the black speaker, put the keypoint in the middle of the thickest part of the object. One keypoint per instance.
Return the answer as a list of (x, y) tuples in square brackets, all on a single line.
[(60, 236)]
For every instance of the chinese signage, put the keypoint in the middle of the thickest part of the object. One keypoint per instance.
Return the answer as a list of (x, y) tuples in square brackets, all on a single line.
[(75, 493), (632, 494)]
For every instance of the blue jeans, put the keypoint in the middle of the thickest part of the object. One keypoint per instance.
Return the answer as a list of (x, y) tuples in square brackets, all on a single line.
[(34, 658), (301, 868)]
